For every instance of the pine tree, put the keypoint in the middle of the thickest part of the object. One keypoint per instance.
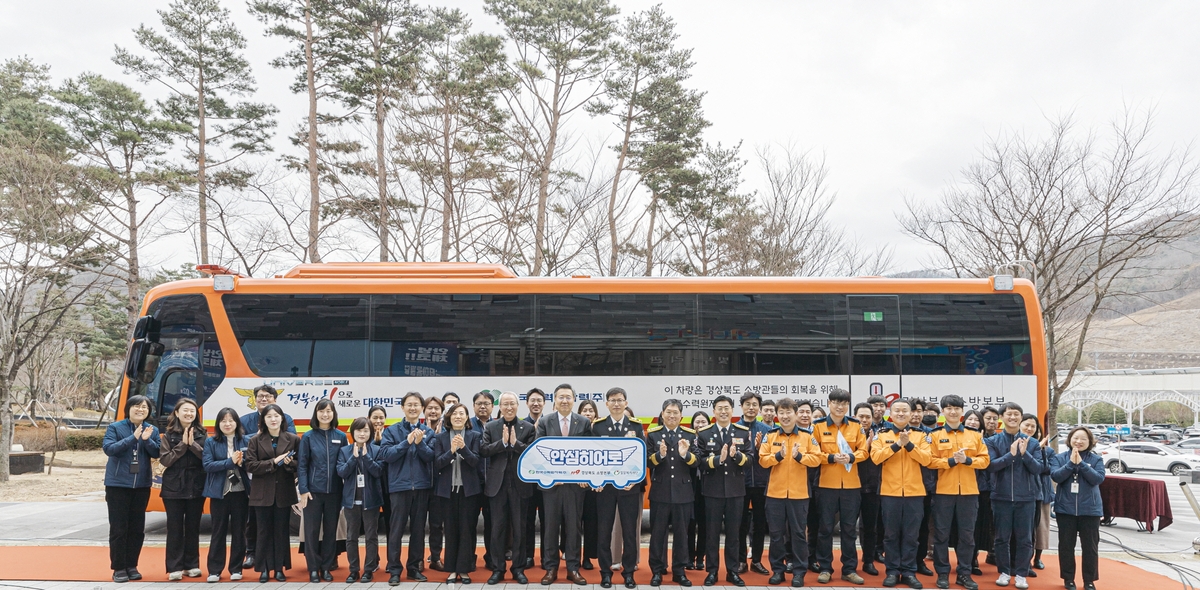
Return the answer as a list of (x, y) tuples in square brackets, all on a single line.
[(199, 60)]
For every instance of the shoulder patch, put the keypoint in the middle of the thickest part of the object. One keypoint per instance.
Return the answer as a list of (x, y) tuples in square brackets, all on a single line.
[(655, 428), (707, 427), (739, 425), (686, 429), (599, 420)]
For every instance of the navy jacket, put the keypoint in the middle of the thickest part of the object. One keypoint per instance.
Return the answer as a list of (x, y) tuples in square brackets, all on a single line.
[(757, 476), (1089, 473), (217, 463), (1045, 489), (368, 464), (318, 459), (120, 445), (1016, 478), (409, 467), (250, 423), (472, 483)]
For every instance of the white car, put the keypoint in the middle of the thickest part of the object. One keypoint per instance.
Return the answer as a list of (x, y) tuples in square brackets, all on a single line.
[(1128, 457)]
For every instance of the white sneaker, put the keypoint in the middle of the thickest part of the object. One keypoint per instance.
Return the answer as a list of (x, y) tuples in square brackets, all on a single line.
[(1020, 583), (175, 576), (235, 577), (1002, 580), (214, 578), (616, 567), (193, 573)]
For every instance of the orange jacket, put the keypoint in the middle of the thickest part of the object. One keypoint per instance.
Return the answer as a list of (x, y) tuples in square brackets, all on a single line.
[(789, 476), (834, 475), (901, 474), (957, 479)]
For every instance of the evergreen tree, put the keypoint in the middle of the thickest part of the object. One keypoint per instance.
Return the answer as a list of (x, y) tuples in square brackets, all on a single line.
[(704, 209), (199, 59)]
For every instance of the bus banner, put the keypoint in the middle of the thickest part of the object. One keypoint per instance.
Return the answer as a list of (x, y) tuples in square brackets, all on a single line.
[(593, 461)]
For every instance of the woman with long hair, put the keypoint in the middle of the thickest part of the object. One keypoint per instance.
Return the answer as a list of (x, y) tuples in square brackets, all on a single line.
[(434, 408), (320, 489), (983, 518), (227, 488), (129, 445), (1031, 426), (698, 524), (359, 467), (271, 460), (591, 525), (456, 460), (182, 491), (1078, 471)]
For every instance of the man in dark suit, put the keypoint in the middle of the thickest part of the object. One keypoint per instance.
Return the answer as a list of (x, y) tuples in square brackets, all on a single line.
[(535, 400), (671, 495), (503, 442), (564, 502), (483, 402), (612, 502), (725, 449)]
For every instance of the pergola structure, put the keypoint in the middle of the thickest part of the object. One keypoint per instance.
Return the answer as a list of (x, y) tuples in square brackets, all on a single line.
[(1133, 390)]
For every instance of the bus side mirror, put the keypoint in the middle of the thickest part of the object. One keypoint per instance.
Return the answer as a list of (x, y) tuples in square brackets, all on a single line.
[(142, 362), (145, 326)]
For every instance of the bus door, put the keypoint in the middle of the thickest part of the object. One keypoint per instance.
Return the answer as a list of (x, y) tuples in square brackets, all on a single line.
[(874, 333)]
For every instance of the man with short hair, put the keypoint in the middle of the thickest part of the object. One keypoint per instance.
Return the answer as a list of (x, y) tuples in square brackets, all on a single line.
[(407, 449), (788, 452), (564, 501), (878, 405), (671, 456), (482, 403), (845, 445), (535, 401), (757, 479), (958, 454), (901, 450), (767, 413), (1014, 495), (503, 441), (725, 449), (804, 419), (613, 502), (868, 476)]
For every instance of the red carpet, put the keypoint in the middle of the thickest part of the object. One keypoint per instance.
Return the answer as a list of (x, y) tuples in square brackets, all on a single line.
[(52, 563)]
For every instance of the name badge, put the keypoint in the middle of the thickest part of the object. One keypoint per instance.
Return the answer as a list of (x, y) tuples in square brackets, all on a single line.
[(630, 433), (1074, 487), (738, 441), (337, 442), (362, 481)]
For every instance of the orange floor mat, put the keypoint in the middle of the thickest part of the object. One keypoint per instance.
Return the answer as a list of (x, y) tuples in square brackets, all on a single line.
[(90, 564)]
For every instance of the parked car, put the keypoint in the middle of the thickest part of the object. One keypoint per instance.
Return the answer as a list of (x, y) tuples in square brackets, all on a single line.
[(1165, 436), (1128, 457), (1189, 445)]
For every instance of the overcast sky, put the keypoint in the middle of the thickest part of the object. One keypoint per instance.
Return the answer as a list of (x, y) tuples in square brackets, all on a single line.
[(898, 97)]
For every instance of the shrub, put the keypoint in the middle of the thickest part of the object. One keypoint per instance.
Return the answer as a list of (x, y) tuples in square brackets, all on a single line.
[(84, 440)]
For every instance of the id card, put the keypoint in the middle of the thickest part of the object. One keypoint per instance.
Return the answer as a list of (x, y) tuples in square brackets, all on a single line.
[(362, 481), (1074, 487)]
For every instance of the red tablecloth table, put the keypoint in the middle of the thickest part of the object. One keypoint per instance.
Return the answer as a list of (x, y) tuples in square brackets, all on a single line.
[(1143, 500)]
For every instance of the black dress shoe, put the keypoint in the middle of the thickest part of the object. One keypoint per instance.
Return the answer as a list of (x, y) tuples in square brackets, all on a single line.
[(417, 576), (710, 579), (120, 576), (991, 558), (133, 574), (394, 580), (248, 563), (975, 571), (495, 578), (629, 583), (923, 569), (587, 565), (1069, 584), (656, 580), (1038, 565), (869, 568), (968, 583), (606, 580), (742, 567), (1089, 586), (943, 581), (326, 576), (735, 579), (314, 577), (279, 576), (814, 567), (366, 578), (758, 568), (576, 578), (683, 580), (465, 579), (452, 579), (1032, 574), (264, 577), (911, 582), (352, 578), (519, 576), (798, 580), (528, 562), (776, 579), (890, 581)]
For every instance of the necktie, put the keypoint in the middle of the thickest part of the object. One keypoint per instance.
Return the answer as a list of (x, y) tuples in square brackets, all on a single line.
[(565, 426)]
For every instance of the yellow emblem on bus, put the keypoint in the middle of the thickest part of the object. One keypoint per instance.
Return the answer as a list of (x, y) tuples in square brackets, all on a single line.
[(249, 395)]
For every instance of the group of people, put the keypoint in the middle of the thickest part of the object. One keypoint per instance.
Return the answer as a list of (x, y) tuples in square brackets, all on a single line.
[(787, 470)]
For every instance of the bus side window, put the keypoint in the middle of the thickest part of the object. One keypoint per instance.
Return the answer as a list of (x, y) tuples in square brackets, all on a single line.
[(176, 384)]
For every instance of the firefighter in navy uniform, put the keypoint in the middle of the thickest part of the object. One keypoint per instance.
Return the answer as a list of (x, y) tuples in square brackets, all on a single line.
[(725, 450), (672, 455), (613, 502)]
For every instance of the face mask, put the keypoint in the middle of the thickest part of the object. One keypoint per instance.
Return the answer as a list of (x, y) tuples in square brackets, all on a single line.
[(929, 420)]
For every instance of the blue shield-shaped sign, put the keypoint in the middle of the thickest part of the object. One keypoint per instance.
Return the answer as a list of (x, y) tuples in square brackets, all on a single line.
[(593, 461)]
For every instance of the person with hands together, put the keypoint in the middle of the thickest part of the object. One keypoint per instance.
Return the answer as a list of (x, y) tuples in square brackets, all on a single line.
[(456, 459), (407, 450), (320, 489), (959, 454), (1016, 469), (901, 449), (612, 502), (182, 456), (130, 444), (1078, 471), (788, 452), (270, 459), (725, 449), (502, 443), (227, 487), (672, 457), (359, 468)]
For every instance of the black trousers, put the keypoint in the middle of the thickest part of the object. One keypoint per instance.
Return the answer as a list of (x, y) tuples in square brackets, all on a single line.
[(838, 506), (251, 532), (754, 525), (364, 523), (408, 509), (949, 511), (814, 520), (787, 519), (274, 541), (126, 525), (901, 519), (1013, 518), (611, 504), (926, 526), (718, 511), (674, 517), (437, 525), (696, 529), (564, 503), (320, 530), (508, 514), (229, 516), (534, 510), (872, 527), (985, 533), (462, 517), (1087, 528), (183, 533), (589, 527)]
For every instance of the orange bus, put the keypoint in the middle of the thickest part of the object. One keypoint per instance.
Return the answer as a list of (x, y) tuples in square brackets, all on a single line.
[(363, 334)]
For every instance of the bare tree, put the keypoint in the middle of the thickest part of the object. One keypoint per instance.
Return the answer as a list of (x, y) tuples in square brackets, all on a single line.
[(1085, 213)]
